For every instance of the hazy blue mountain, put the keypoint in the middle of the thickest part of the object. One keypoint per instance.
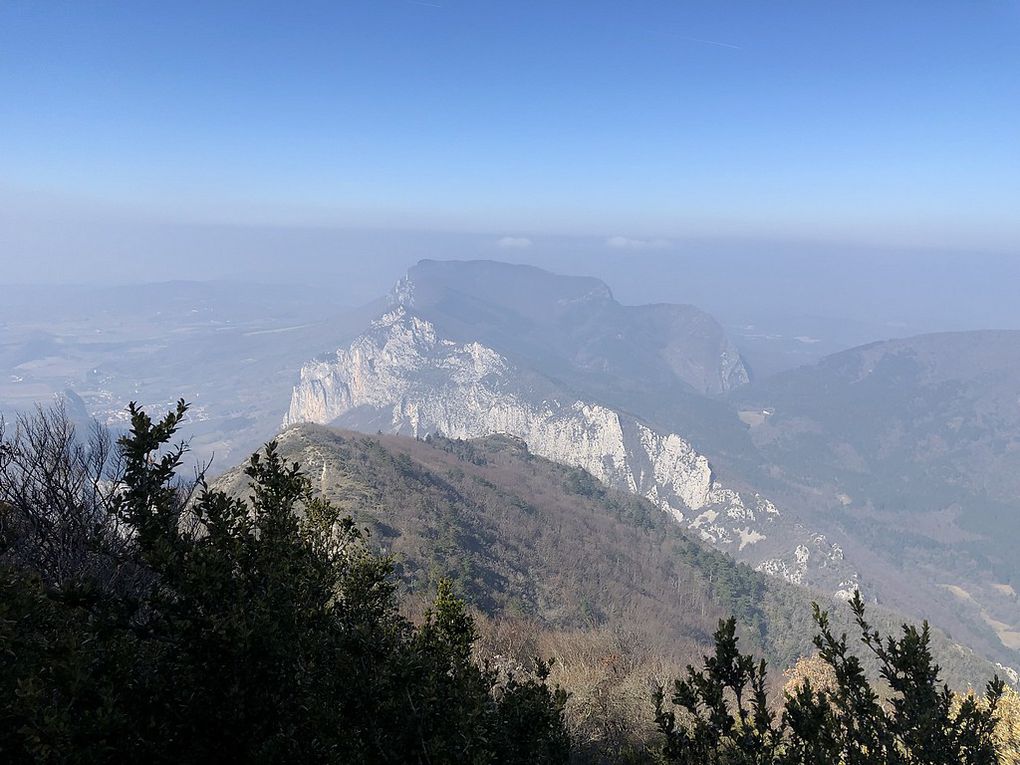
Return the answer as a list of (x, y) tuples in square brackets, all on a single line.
[(912, 448), (572, 327), (472, 349)]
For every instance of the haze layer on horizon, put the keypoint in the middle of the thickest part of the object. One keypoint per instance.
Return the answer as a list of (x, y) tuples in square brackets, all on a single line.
[(810, 157)]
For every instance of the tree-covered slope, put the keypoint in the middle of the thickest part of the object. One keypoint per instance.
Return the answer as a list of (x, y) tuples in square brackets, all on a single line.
[(525, 537), (911, 448)]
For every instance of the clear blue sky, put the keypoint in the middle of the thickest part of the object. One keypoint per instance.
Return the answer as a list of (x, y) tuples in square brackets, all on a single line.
[(890, 122)]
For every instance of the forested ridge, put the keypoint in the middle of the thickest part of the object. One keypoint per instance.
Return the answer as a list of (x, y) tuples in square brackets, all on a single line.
[(522, 536)]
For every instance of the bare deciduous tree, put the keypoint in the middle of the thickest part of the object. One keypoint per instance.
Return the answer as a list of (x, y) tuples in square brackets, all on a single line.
[(58, 501)]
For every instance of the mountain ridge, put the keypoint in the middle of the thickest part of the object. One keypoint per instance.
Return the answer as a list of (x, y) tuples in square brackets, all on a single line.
[(912, 446), (719, 463), (522, 534), (405, 375), (574, 318)]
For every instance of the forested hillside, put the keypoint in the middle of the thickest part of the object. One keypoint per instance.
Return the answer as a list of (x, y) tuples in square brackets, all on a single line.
[(597, 577), (911, 450), (148, 618)]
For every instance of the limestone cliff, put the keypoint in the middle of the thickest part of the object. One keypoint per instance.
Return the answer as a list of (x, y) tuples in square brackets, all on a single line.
[(402, 376)]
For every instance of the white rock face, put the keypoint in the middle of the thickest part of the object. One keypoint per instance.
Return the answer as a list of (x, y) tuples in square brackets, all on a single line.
[(426, 384), (1011, 674), (732, 371), (816, 555), (402, 377)]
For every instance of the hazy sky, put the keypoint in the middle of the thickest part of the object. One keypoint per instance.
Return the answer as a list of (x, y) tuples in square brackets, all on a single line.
[(637, 123)]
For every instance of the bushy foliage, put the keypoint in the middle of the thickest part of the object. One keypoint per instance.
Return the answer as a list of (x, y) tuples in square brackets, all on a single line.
[(809, 669), (725, 717), (146, 618), (1007, 725)]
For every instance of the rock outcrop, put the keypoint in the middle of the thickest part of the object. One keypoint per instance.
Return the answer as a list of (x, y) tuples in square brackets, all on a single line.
[(402, 376)]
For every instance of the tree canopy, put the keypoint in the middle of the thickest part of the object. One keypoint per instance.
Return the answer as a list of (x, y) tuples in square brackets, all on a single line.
[(720, 715), (148, 618)]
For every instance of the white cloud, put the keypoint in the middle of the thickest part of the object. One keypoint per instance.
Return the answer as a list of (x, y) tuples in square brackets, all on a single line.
[(514, 243), (626, 243)]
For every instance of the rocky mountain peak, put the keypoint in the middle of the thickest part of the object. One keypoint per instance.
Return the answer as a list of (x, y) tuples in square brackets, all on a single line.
[(572, 326), (405, 374), (526, 291)]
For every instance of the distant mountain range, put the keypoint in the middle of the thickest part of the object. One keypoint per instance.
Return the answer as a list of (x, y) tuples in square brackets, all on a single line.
[(911, 448), (892, 466), (570, 326), (875, 468), (551, 349)]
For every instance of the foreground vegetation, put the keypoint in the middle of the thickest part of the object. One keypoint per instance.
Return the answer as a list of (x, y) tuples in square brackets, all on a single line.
[(143, 617), (727, 718)]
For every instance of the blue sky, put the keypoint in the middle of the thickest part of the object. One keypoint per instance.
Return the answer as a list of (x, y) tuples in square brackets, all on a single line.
[(638, 122)]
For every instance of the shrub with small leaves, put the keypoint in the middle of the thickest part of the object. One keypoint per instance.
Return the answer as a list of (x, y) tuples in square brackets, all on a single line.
[(724, 718)]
